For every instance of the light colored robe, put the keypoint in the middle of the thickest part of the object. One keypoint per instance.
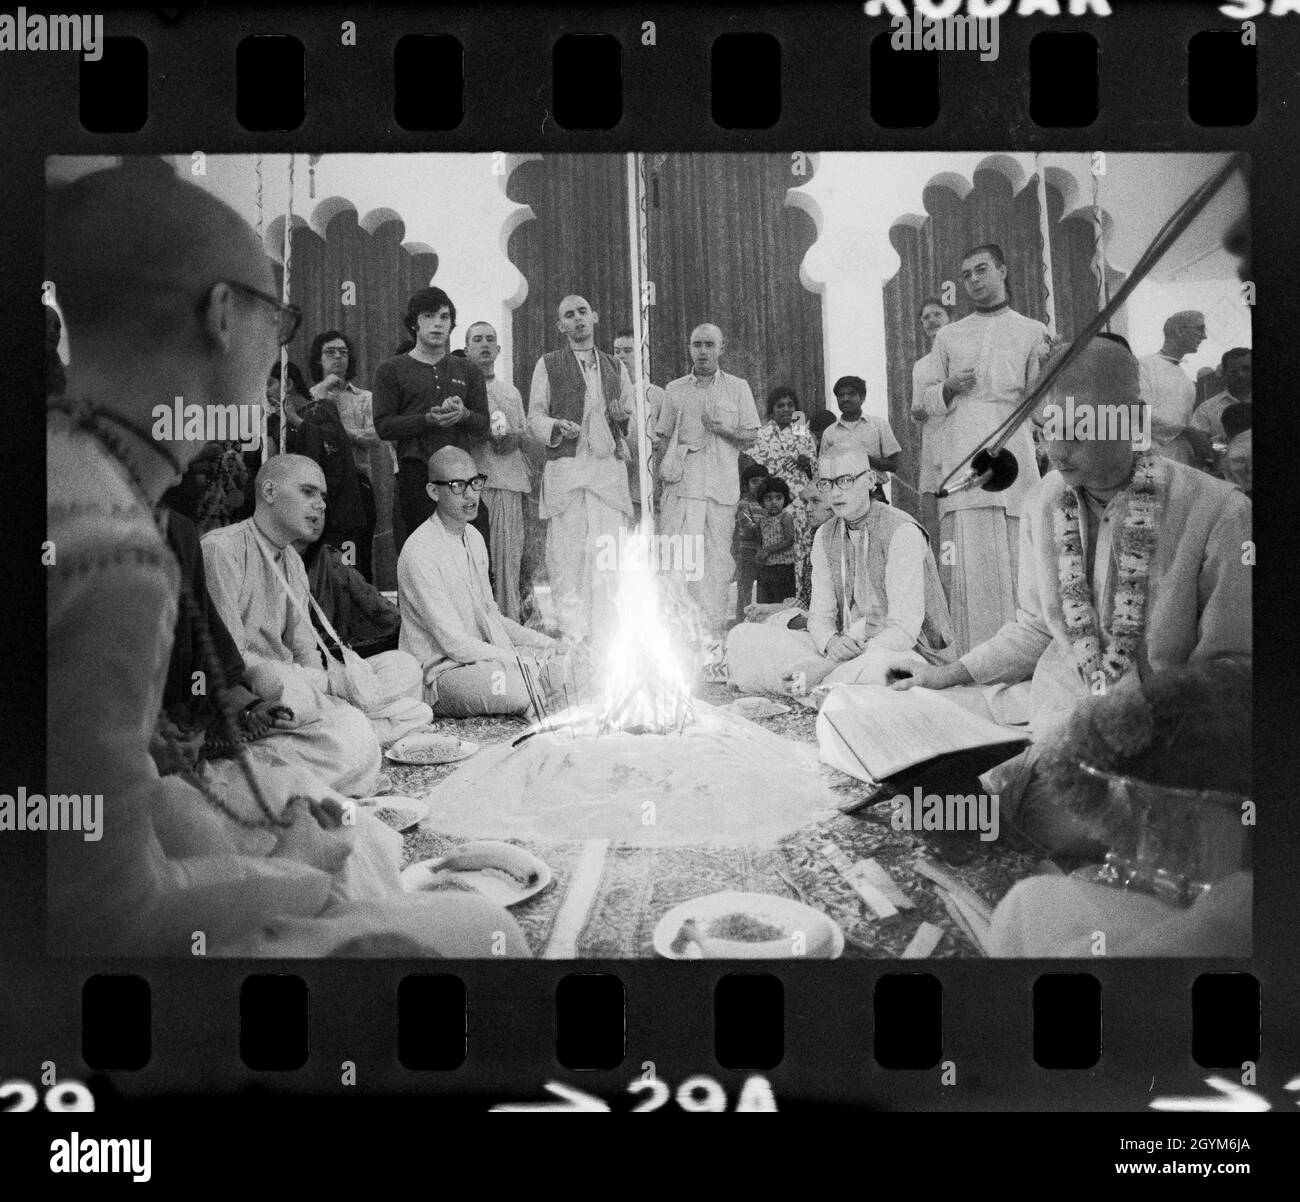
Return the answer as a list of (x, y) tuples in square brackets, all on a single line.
[(1171, 395), (1198, 598), (282, 659), (450, 619)]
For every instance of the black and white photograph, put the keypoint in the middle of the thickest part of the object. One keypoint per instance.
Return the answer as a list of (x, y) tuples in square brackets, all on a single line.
[(761, 556)]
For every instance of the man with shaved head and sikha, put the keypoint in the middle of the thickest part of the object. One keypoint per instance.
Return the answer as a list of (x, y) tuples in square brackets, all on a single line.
[(579, 404), (713, 418), (468, 650), (259, 585), (1130, 563), (167, 293)]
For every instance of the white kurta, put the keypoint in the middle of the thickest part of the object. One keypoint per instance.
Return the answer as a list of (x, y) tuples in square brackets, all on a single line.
[(281, 657), (1171, 395), (586, 500), (931, 412), (451, 623)]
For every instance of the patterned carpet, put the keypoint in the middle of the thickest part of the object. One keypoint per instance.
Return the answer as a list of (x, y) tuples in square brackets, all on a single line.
[(609, 909)]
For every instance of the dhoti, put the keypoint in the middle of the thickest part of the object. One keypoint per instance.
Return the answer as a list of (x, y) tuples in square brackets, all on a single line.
[(491, 687), (767, 657), (979, 556), (506, 516), (704, 529), (583, 597)]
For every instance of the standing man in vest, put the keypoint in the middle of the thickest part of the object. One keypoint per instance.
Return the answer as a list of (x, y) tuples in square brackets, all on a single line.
[(578, 409), (427, 399), (713, 416)]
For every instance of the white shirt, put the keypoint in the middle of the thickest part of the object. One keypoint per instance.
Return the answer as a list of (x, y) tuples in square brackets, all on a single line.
[(1171, 394), (710, 471)]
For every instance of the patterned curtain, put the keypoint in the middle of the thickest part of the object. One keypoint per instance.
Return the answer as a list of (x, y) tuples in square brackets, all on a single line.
[(724, 247)]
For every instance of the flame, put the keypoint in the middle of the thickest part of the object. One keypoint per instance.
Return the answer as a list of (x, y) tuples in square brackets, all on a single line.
[(650, 661)]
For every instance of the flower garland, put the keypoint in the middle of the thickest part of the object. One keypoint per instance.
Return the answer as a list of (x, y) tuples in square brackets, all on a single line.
[(1114, 656)]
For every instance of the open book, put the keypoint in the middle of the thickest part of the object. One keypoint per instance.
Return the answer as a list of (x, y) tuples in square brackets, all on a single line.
[(873, 732)]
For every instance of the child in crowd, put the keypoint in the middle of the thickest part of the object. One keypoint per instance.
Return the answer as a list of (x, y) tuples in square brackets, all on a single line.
[(775, 559), (746, 538)]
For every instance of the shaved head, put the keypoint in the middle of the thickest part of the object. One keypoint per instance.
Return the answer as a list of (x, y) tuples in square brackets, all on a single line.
[(451, 463), (286, 469), (708, 330), (125, 244), (571, 302), (1102, 371)]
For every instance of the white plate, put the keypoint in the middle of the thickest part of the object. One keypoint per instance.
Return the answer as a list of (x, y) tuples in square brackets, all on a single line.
[(777, 911), (440, 749), (414, 810), (756, 708), (505, 893)]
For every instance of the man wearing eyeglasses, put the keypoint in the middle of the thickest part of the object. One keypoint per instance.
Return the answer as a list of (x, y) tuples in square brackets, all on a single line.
[(166, 292), (472, 655), (876, 596)]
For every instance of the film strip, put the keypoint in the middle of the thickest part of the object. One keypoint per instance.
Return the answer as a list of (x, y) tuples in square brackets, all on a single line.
[(855, 152)]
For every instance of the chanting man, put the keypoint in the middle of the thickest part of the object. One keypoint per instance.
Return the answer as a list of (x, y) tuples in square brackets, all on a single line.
[(1171, 394), (712, 417), (579, 404), (471, 655), (259, 585), (978, 372), (934, 316), (501, 459), (1130, 563), (875, 594)]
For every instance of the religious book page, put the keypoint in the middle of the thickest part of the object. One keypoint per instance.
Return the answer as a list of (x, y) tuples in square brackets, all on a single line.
[(886, 731)]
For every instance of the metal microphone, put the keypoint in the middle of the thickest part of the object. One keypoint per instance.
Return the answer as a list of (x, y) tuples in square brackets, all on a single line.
[(992, 471)]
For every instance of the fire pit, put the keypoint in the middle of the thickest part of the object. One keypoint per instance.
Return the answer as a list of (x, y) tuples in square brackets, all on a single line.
[(643, 763)]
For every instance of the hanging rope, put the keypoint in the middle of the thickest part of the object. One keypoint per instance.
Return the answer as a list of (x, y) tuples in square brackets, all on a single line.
[(1045, 241), (286, 258), (1099, 246)]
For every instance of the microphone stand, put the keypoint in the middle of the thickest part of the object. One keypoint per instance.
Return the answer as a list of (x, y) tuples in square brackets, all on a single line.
[(987, 464)]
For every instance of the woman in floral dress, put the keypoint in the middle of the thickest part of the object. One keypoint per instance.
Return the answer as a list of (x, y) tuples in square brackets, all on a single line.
[(786, 448)]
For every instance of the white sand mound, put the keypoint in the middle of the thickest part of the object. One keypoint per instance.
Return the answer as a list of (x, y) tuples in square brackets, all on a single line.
[(723, 780)]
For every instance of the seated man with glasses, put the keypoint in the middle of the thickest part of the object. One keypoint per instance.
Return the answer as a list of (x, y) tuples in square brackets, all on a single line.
[(875, 596), (472, 655)]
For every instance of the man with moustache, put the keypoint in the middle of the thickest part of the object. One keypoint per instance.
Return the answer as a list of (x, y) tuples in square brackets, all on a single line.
[(468, 651), (579, 404), (427, 399), (875, 595), (713, 417), (1088, 618), (978, 371), (501, 459), (259, 586), (1235, 368)]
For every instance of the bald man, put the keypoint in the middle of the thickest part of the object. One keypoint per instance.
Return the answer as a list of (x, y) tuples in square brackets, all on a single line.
[(469, 652), (166, 292), (1170, 392), (712, 416), (259, 586), (579, 404), (875, 594), (1185, 587)]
